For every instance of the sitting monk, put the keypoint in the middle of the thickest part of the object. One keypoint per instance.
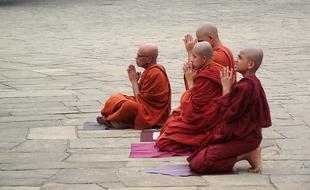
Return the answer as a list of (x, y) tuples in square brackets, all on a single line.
[(245, 112), (150, 105), (194, 121)]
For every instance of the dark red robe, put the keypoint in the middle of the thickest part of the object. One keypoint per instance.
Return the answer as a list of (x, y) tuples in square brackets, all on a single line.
[(245, 112)]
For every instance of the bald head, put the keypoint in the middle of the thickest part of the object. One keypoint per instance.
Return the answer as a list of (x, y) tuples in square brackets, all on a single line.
[(206, 30), (203, 49), (255, 55), (148, 51)]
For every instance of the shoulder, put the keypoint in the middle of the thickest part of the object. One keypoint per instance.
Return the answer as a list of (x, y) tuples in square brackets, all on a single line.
[(155, 71), (222, 49), (245, 85), (211, 72)]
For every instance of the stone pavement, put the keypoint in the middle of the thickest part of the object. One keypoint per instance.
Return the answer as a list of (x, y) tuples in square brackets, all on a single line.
[(60, 60)]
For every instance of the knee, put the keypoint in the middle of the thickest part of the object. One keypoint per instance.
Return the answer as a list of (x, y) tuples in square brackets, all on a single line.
[(202, 163), (130, 107)]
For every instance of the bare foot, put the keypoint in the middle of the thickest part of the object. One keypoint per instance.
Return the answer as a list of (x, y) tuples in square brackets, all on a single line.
[(102, 121), (254, 158)]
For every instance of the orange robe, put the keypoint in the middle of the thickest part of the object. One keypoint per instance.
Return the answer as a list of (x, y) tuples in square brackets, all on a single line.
[(194, 121), (150, 107), (223, 56)]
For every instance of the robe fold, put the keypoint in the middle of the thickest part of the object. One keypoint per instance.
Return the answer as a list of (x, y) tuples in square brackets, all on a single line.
[(245, 112), (150, 107), (194, 121)]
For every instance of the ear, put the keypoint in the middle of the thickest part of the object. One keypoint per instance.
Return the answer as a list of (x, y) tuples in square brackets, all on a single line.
[(205, 59), (149, 60), (251, 65), (210, 38)]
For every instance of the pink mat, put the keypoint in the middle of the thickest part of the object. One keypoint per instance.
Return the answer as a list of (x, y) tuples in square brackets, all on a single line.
[(148, 150)]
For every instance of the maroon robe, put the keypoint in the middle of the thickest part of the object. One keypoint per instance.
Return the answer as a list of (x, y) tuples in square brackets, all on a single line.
[(245, 112)]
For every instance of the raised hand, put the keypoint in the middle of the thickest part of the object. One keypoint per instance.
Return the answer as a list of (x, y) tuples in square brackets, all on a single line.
[(189, 42), (189, 73), (228, 77), (132, 74)]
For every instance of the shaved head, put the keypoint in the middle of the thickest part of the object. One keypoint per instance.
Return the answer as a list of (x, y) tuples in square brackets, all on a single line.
[(203, 49), (148, 50), (255, 55), (147, 55), (207, 29)]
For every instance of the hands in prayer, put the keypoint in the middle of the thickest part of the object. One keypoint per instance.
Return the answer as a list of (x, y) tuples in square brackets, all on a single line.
[(132, 74), (189, 43), (228, 77), (189, 73)]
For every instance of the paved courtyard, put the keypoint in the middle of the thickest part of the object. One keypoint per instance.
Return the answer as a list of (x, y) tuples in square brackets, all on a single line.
[(61, 59)]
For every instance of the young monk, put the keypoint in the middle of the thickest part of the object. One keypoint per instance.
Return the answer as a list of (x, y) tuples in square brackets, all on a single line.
[(245, 112), (208, 32), (194, 121), (150, 105)]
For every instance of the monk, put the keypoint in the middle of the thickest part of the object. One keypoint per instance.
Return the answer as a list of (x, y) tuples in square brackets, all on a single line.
[(194, 121), (150, 106), (245, 112), (208, 32)]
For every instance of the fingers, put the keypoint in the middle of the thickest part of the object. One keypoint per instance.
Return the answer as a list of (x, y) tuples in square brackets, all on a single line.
[(190, 37), (186, 66), (131, 68)]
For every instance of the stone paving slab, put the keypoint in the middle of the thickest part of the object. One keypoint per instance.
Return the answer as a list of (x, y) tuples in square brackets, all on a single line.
[(19, 188), (52, 133), (57, 186)]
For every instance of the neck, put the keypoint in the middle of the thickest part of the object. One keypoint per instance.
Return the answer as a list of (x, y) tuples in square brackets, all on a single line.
[(248, 73), (216, 43), (209, 62), (149, 65)]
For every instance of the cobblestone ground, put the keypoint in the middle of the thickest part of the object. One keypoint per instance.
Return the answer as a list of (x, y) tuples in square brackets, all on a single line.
[(61, 59)]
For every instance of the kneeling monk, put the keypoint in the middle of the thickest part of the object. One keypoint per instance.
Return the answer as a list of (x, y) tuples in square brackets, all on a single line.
[(150, 105), (195, 120), (245, 111)]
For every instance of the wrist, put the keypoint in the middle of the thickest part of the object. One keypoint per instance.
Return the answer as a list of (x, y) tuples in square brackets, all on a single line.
[(133, 80), (225, 91)]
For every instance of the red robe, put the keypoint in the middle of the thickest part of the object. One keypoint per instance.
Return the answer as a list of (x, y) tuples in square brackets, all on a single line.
[(150, 107), (194, 121), (245, 112)]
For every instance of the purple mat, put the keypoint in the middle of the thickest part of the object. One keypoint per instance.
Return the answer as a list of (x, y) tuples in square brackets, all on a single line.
[(174, 170), (148, 150), (93, 126), (149, 135)]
